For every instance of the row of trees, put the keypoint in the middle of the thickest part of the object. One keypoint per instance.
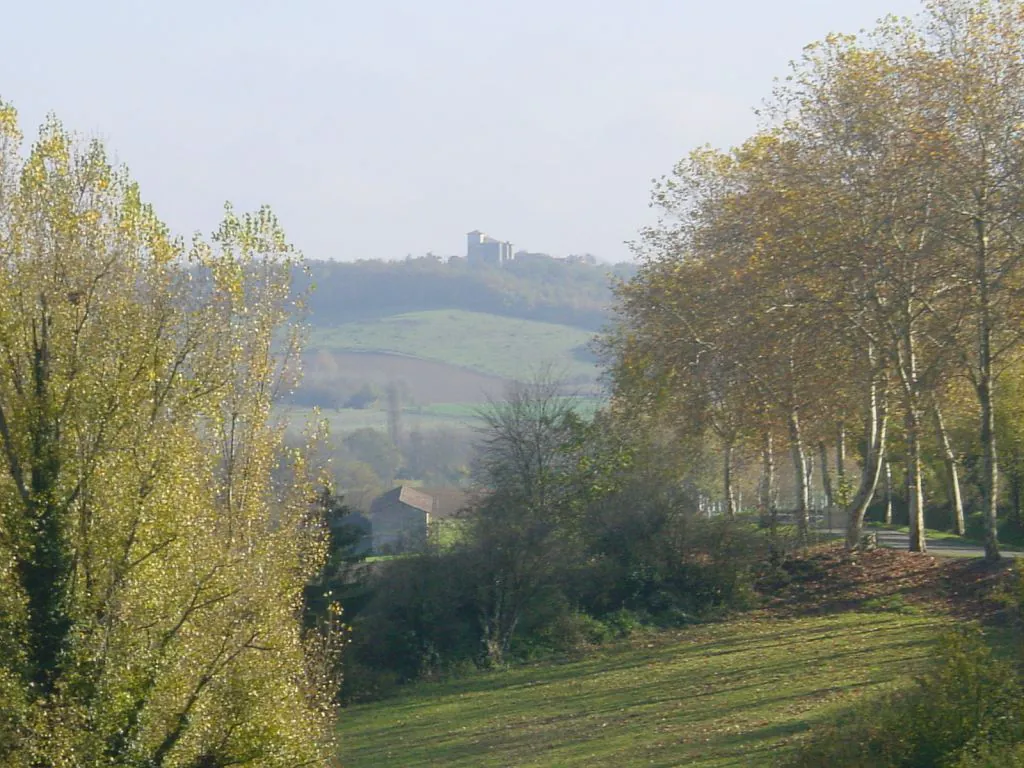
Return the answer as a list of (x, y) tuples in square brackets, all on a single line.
[(855, 267), (366, 462)]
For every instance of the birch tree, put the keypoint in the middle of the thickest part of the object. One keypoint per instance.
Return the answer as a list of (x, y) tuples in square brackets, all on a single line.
[(978, 73)]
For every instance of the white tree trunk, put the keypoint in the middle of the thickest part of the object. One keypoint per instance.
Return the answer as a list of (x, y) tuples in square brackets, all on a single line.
[(826, 476), (915, 486), (888, 492), (875, 424), (802, 480), (952, 474), (767, 496), (730, 496)]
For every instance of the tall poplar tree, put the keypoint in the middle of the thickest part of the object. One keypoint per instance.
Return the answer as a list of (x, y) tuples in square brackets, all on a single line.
[(151, 572)]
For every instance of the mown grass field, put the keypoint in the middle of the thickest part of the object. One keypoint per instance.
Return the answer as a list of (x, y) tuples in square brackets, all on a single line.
[(458, 417), (346, 420), (498, 346), (737, 693)]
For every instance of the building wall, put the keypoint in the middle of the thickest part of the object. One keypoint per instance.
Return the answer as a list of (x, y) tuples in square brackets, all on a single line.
[(397, 526), (481, 249)]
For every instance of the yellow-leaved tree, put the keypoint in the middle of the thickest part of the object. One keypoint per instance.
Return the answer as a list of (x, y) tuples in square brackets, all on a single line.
[(151, 571)]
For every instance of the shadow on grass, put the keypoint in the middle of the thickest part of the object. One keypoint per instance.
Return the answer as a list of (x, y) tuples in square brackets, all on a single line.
[(799, 642)]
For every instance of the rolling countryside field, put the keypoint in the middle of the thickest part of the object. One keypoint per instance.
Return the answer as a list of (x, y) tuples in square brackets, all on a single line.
[(501, 347), (343, 420), (447, 363), (738, 693)]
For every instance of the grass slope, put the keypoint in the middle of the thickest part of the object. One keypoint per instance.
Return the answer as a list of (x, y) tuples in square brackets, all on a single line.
[(492, 344), (345, 420), (736, 693)]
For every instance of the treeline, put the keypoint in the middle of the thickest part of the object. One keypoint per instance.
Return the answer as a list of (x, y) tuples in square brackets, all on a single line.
[(553, 291), (849, 278)]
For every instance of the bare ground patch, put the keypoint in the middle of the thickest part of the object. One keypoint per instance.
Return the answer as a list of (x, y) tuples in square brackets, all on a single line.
[(427, 381), (829, 580)]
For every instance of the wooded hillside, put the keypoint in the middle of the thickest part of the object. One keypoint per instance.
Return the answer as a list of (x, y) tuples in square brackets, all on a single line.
[(551, 291)]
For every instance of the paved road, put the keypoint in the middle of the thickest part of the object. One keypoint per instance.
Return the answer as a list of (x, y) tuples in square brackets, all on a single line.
[(937, 547)]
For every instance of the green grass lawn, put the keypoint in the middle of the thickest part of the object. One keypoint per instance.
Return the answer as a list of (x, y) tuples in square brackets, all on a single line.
[(730, 694), (1009, 543), (500, 346)]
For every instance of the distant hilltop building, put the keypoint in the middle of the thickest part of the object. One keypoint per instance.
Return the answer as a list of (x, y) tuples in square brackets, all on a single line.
[(481, 249)]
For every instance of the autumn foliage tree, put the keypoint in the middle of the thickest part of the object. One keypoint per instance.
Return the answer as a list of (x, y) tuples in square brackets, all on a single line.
[(151, 573), (852, 262)]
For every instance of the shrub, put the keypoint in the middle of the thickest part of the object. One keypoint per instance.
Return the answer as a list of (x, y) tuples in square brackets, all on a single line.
[(965, 712), (568, 632), (624, 623), (419, 620), (658, 559)]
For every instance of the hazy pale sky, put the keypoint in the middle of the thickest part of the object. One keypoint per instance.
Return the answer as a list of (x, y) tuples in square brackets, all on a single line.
[(387, 127)]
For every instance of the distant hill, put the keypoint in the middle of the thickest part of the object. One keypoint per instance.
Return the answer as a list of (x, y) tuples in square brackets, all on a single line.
[(448, 336), (547, 290), (505, 347)]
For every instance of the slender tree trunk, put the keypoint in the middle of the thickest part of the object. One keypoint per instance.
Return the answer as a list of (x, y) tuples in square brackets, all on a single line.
[(906, 359), (952, 474), (875, 425), (870, 474), (802, 479), (809, 453), (986, 397), (826, 476), (766, 500), (841, 460), (730, 498), (907, 492), (990, 477), (915, 488), (888, 492)]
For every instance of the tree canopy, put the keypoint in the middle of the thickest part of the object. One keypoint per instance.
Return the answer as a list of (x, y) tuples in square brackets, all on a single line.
[(151, 573), (857, 259)]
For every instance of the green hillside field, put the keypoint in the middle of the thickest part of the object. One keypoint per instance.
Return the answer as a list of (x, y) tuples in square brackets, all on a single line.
[(345, 420), (457, 417), (505, 347), (742, 692)]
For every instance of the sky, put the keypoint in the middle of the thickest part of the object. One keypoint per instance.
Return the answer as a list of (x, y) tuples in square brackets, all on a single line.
[(382, 128)]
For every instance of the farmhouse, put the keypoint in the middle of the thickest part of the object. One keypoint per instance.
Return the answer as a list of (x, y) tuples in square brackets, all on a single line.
[(483, 249), (402, 516)]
